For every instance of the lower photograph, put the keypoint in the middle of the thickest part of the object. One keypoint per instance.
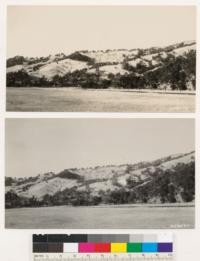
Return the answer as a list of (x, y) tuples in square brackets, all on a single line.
[(89, 173)]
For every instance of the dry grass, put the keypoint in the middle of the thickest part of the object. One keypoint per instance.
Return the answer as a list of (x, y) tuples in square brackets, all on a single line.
[(64, 217), (79, 100)]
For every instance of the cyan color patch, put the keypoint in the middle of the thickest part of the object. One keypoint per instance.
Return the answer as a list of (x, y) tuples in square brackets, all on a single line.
[(149, 247)]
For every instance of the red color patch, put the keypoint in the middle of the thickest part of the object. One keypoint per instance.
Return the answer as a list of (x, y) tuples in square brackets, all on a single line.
[(102, 247)]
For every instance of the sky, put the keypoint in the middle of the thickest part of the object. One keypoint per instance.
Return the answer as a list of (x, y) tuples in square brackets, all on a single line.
[(37, 146), (43, 30)]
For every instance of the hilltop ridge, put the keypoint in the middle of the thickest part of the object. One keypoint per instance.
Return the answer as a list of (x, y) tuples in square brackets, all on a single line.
[(171, 67)]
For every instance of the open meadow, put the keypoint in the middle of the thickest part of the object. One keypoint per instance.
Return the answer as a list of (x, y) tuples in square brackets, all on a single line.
[(98, 100), (126, 217)]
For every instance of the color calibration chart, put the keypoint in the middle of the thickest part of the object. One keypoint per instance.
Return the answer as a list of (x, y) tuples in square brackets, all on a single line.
[(55, 247)]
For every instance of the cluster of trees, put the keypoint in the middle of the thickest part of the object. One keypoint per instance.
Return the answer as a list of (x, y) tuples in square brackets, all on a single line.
[(17, 60), (12, 200), (178, 71), (81, 79), (9, 181), (77, 56), (165, 186), (171, 185), (174, 71), (23, 79), (71, 197)]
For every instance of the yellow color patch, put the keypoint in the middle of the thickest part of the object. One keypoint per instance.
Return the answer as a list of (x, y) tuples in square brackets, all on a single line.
[(118, 247)]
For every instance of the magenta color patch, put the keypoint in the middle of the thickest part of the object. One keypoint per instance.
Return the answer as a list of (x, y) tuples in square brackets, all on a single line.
[(86, 247)]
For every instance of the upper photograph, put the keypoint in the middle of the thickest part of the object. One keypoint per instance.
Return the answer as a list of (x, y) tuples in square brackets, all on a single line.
[(101, 59)]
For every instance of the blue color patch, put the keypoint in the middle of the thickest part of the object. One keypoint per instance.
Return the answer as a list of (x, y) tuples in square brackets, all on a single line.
[(149, 247)]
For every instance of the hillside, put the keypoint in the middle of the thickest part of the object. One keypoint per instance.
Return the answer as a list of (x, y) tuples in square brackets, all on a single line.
[(171, 67), (169, 179)]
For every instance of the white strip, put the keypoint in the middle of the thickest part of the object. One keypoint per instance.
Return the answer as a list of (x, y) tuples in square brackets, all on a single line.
[(70, 248), (150, 238), (165, 238)]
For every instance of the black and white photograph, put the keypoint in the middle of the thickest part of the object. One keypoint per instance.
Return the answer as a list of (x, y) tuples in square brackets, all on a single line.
[(100, 173), (99, 124), (101, 58)]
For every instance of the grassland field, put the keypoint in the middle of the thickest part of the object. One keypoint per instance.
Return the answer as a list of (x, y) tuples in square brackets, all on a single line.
[(98, 100), (104, 217)]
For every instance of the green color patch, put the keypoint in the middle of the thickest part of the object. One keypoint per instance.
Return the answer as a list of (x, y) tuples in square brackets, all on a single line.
[(134, 247)]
